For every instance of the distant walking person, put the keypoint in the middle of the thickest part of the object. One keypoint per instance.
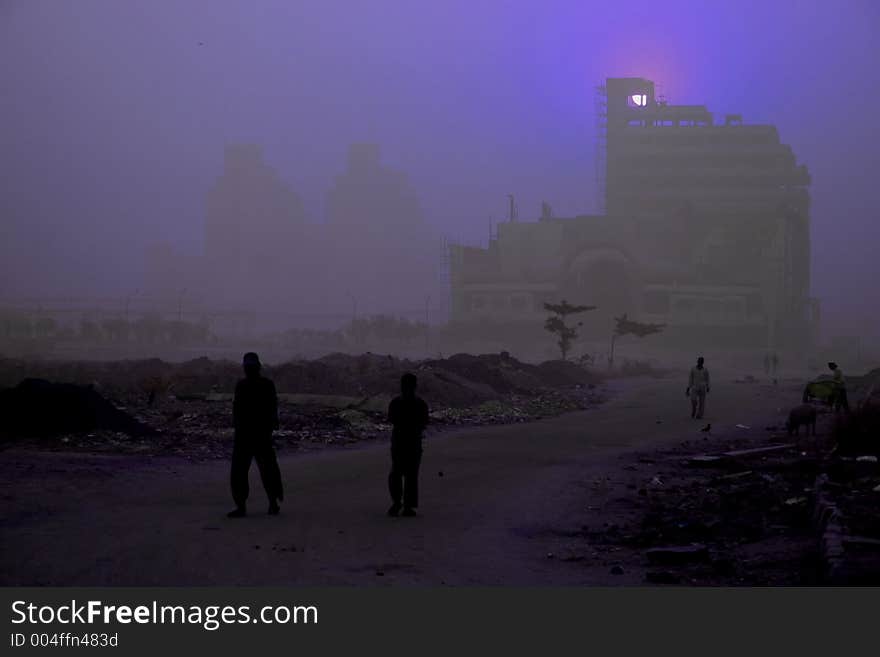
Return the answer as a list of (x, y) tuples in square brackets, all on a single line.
[(698, 388), (255, 416), (408, 414), (840, 398), (774, 364)]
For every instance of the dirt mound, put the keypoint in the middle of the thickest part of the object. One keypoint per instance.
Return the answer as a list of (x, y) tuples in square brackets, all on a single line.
[(458, 381), (371, 375), (36, 407), (564, 373), (500, 373)]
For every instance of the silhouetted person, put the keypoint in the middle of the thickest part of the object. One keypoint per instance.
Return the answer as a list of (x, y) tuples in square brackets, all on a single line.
[(840, 398), (698, 388), (255, 416), (408, 414), (774, 363)]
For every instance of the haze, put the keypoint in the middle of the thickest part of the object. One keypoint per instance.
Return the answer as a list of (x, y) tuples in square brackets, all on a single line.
[(115, 116)]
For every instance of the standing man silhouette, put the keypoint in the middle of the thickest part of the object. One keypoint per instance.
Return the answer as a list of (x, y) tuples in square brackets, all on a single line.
[(255, 416), (698, 388), (840, 399), (408, 414)]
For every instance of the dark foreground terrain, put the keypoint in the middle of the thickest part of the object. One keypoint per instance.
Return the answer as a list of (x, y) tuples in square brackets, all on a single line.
[(610, 495)]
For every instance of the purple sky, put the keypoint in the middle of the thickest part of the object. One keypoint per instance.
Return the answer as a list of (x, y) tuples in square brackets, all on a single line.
[(113, 117)]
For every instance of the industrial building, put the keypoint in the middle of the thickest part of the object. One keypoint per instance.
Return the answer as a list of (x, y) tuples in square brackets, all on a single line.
[(706, 229)]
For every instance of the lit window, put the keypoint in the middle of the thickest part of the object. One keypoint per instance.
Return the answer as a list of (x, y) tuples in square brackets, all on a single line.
[(638, 100)]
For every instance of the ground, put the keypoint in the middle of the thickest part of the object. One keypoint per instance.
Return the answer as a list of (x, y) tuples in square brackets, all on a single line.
[(528, 503)]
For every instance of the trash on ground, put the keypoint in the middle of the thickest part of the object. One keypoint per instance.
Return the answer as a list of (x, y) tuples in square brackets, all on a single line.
[(678, 554)]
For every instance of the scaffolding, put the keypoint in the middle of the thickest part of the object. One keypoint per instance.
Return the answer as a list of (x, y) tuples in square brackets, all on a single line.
[(601, 145)]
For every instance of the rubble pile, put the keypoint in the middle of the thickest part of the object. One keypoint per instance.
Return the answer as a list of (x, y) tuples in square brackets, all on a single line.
[(848, 493), (458, 381), (727, 520), (40, 408), (336, 400), (846, 521), (747, 506)]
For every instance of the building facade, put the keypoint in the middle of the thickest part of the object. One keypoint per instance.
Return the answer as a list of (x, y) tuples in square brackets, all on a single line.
[(373, 254), (706, 230)]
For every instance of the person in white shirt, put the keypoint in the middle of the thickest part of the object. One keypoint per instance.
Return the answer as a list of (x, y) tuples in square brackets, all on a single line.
[(698, 388)]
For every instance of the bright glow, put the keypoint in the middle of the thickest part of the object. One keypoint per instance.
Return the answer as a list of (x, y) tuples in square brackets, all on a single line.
[(639, 100)]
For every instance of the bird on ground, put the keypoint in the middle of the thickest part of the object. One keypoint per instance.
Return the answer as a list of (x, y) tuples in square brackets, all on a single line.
[(707, 428)]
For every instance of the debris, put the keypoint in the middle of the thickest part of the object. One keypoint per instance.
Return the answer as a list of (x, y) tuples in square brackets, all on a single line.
[(573, 558), (736, 475), (866, 459), (678, 554), (723, 566), (704, 458), (743, 426), (861, 541), (656, 481), (662, 577), (339, 400), (757, 451), (792, 501)]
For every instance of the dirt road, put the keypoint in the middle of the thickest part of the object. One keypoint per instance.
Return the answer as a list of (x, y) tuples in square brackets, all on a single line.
[(499, 514)]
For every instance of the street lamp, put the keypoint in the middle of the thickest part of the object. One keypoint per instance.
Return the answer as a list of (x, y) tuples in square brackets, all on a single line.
[(354, 306), (427, 305)]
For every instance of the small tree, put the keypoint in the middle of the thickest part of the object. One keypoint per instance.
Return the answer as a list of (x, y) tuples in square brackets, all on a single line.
[(625, 326), (556, 323)]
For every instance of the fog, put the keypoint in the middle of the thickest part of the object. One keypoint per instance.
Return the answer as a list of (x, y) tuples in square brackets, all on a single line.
[(116, 116)]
